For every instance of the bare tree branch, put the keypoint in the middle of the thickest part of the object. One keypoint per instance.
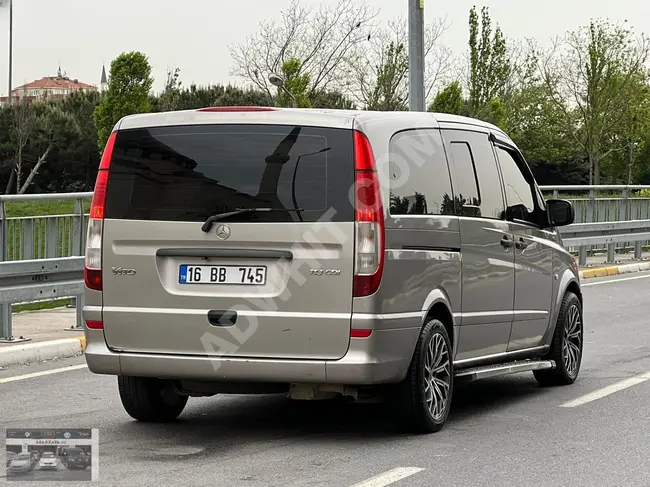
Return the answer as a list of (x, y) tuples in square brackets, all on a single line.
[(370, 57), (320, 39)]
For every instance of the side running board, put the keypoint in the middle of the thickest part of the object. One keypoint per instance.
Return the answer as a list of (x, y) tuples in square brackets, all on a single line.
[(476, 373)]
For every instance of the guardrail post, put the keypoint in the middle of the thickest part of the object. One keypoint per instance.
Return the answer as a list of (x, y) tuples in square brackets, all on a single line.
[(77, 249), (591, 217), (78, 230), (582, 255), (27, 239), (5, 309), (6, 326)]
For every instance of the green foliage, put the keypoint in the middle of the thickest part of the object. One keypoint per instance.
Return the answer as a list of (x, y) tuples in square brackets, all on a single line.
[(589, 77), (129, 84), (449, 100), (390, 75), (489, 67), (296, 83), (174, 97), (332, 99)]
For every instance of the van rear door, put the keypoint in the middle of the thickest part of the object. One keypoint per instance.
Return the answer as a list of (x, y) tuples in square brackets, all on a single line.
[(270, 276)]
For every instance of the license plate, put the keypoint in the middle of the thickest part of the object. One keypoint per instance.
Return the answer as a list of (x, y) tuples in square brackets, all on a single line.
[(222, 274)]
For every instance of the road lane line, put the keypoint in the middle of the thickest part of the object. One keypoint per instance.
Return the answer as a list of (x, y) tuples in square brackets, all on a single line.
[(389, 477), (606, 391), (4, 380), (615, 280)]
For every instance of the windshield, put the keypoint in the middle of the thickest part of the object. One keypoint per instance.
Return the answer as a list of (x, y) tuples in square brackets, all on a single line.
[(48, 455), (189, 173)]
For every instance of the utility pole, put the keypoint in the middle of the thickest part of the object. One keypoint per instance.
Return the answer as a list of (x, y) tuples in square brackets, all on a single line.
[(416, 56), (11, 46)]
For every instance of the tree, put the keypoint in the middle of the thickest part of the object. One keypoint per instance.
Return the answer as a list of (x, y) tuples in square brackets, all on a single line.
[(129, 84), (450, 100), (296, 83), (386, 52), (78, 160), (630, 136), (176, 97), (169, 99), (388, 93), (587, 74), (38, 128), (332, 99), (319, 40), (489, 67)]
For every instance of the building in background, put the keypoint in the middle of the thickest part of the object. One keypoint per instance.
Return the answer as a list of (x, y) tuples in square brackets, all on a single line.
[(53, 87)]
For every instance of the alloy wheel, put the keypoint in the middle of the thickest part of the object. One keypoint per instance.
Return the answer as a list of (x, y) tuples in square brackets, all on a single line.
[(437, 376), (572, 343)]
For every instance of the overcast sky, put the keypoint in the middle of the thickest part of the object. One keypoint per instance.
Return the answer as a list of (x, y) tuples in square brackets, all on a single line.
[(195, 34)]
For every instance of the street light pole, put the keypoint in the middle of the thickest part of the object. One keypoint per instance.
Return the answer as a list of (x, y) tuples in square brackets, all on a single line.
[(11, 46), (416, 56), (278, 82)]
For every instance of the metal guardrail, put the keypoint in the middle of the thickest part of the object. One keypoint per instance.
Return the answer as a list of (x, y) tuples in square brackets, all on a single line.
[(27, 241), (40, 256), (597, 205), (581, 235), (39, 279)]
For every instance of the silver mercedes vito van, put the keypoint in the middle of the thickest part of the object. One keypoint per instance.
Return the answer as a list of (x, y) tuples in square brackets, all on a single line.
[(323, 253)]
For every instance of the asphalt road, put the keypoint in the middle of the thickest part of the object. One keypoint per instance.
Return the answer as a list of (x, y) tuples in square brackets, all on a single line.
[(505, 431)]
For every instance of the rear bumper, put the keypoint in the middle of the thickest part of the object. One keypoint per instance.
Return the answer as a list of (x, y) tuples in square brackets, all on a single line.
[(384, 357)]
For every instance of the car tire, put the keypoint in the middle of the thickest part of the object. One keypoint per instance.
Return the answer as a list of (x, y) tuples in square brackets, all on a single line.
[(566, 346), (423, 399), (149, 399)]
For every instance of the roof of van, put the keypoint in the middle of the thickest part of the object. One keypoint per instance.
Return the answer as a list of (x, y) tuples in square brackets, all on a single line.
[(310, 116)]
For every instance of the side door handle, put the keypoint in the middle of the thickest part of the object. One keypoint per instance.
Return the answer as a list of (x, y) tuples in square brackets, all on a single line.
[(521, 244), (506, 242)]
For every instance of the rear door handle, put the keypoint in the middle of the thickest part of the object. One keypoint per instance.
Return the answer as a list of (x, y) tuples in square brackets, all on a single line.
[(521, 244), (218, 317), (506, 242)]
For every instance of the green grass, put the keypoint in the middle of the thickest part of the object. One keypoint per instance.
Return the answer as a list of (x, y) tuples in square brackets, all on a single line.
[(19, 209), (16, 209), (43, 305)]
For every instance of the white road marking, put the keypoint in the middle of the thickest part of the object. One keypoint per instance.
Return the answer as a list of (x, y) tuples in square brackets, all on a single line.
[(389, 477), (606, 391), (4, 380), (615, 280)]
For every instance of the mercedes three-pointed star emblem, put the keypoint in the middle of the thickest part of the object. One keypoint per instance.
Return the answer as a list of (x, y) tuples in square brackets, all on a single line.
[(223, 232)]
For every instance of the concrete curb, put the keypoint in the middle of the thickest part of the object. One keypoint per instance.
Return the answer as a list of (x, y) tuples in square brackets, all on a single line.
[(614, 270), (39, 351)]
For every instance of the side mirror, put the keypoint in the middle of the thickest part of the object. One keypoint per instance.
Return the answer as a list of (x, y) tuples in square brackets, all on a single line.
[(559, 213)]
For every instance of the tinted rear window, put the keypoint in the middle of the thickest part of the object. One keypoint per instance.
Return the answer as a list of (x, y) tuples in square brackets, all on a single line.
[(188, 173)]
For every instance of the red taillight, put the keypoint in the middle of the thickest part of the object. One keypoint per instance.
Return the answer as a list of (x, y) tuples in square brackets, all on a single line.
[(95, 325), (369, 220), (360, 333), (236, 109), (99, 196), (93, 264), (93, 278)]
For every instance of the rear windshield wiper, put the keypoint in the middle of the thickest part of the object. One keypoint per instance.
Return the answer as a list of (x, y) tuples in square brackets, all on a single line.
[(222, 216)]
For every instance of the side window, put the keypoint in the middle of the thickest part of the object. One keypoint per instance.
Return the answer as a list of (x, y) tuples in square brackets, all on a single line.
[(419, 175), (477, 185), (467, 195), (519, 193)]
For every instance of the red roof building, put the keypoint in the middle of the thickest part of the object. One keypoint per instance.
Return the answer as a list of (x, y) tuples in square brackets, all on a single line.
[(50, 87)]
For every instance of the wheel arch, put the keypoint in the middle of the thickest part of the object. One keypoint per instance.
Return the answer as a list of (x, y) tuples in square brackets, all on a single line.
[(438, 305), (567, 282)]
